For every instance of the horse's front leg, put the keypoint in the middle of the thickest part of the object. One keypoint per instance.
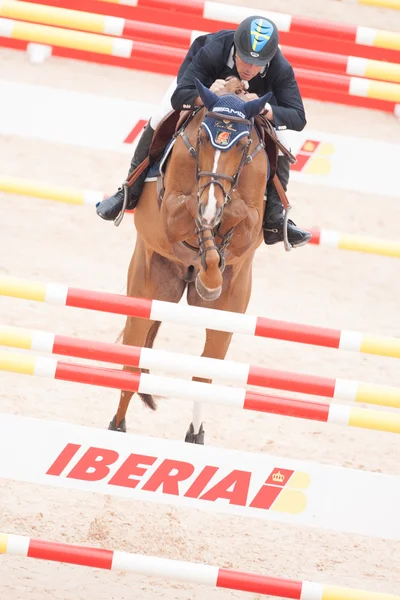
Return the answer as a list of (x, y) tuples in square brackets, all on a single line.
[(216, 346), (150, 275), (235, 297), (246, 220)]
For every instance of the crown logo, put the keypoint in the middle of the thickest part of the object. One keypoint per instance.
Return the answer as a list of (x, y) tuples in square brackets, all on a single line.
[(309, 146), (278, 477)]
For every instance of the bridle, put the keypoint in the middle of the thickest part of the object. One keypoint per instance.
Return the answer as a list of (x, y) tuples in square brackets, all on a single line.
[(215, 179)]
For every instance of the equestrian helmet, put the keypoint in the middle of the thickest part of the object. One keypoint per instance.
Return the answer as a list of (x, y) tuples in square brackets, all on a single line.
[(256, 40)]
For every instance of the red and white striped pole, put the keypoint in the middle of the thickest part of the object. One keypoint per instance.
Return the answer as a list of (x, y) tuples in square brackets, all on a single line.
[(194, 573), (200, 392), (217, 11), (238, 374), (220, 320), (213, 16), (182, 38)]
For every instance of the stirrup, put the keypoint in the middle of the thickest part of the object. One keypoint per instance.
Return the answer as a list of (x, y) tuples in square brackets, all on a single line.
[(118, 219)]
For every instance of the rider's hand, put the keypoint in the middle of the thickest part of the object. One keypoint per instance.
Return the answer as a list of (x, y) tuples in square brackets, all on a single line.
[(268, 113), (251, 96), (218, 86)]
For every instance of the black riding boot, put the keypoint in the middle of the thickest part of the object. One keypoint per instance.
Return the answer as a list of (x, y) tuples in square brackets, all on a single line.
[(273, 215), (110, 207)]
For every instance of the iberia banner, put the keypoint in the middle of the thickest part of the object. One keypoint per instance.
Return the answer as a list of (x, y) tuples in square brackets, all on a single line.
[(203, 477)]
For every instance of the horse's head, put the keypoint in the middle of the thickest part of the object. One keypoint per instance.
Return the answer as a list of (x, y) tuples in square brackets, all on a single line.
[(223, 143)]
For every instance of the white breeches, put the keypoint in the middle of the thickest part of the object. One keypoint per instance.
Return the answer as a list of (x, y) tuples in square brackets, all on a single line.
[(165, 106)]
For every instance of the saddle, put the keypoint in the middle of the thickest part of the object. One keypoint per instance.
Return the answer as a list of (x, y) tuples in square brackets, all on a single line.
[(169, 127), (166, 130)]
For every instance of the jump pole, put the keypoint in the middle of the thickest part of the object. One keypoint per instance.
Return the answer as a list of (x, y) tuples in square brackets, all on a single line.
[(182, 38), (219, 320), (239, 374), (320, 237), (200, 392), (193, 573)]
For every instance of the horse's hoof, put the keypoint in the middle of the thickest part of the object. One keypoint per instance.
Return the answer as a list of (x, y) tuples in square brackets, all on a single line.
[(205, 293), (113, 425), (195, 438)]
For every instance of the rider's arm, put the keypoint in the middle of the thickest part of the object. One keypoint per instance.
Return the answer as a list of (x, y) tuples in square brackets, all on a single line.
[(268, 112), (289, 109), (185, 95)]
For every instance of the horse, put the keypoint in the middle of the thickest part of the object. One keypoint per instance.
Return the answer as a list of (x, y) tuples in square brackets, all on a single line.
[(214, 188)]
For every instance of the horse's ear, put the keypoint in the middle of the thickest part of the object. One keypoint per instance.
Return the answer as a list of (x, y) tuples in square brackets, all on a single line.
[(209, 98), (254, 107)]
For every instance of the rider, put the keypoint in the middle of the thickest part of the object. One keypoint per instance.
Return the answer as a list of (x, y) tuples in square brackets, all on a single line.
[(250, 53)]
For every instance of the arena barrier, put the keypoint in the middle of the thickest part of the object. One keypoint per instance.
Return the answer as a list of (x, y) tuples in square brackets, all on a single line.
[(235, 373), (41, 41), (96, 23), (165, 59), (235, 483), (227, 13), (209, 318), (384, 49), (181, 38), (203, 393), (193, 573), (79, 40), (342, 65), (143, 57), (351, 86)]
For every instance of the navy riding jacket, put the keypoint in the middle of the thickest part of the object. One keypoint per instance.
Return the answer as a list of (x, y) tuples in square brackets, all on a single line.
[(211, 57)]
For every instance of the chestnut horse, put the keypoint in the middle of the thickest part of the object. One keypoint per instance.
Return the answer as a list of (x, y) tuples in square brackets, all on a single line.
[(215, 184)]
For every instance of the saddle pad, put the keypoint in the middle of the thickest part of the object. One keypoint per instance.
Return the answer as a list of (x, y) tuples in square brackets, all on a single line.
[(158, 168)]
